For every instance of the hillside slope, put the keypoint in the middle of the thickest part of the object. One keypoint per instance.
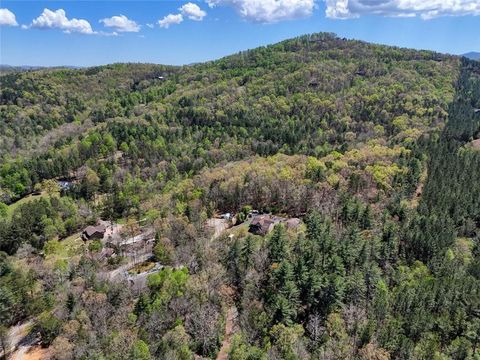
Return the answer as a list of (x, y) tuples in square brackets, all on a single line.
[(347, 176), (308, 95)]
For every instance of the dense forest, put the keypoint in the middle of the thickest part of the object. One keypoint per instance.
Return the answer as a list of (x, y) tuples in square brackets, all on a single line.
[(374, 150)]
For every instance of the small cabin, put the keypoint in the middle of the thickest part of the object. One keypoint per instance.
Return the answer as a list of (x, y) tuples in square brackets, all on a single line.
[(94, 232)]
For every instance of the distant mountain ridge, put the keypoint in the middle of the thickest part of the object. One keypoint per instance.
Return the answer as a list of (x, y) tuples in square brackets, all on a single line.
[(20, 68), (472, 55)]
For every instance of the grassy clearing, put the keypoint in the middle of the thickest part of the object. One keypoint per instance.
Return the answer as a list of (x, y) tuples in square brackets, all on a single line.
[(11, 208), (65, 249)]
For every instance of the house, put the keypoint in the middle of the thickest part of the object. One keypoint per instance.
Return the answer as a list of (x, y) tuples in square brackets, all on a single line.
[(263, 224), (94, 232)]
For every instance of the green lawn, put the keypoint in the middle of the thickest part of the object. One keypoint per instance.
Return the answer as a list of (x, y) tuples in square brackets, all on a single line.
[(11, 208), (64, 249)]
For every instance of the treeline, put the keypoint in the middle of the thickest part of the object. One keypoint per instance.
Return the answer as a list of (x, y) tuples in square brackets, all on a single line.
[(450, 205)]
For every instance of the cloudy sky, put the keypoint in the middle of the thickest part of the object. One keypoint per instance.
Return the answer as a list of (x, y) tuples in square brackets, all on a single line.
[(85, 32)]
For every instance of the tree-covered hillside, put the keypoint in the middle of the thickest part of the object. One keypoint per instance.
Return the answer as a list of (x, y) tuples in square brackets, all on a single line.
[(309, 95), (371, 152)]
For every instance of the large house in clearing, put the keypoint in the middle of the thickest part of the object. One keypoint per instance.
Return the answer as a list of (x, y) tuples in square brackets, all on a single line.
[(94, 232), (263, 224)]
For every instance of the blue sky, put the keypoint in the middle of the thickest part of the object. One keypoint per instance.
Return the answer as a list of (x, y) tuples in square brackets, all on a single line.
[(183, 32)]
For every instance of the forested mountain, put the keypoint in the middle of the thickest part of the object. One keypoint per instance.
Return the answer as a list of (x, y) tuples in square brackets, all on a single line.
[(472, 55), (375, 150)]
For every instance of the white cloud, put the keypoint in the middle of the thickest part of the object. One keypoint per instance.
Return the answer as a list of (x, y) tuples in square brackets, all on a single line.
[(7, 18), (268, 11), (426, 9), (121, 24), (170, 19), (151, 26), (58, 20), (189, 10), (192, 11), (103, 33)]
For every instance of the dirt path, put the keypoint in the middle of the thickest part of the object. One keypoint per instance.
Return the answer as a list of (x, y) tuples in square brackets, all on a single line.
[(23, 345), (17, 335), (419, 190), (232, 314), (31, 353)]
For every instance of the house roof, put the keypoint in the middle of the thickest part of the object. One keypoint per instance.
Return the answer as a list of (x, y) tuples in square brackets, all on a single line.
[(90, 230), (263, 223), (261, 220)]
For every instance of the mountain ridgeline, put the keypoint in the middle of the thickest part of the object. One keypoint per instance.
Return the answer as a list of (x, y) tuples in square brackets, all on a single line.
[(472, 55), (373, 152)]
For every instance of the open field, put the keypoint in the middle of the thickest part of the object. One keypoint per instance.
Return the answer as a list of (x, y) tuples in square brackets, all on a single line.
[(11, 208)]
